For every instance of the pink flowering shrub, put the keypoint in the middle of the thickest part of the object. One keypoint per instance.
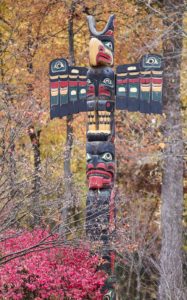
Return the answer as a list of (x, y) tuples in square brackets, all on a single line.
[(56, 272)]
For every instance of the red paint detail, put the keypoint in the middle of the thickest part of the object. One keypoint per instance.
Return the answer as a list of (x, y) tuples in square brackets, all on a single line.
[(91, 90), (103, 57), (109, 32), (82, 83), (98, 182), (90, 166), (54, 85), (151, 80), (99, 178), (63, 84), (97, 172), (157, 80), (134, 80), (108, 104), (73, 83), (103, 91), (101, 48), (145, 80), (102, 166), (121, 81)]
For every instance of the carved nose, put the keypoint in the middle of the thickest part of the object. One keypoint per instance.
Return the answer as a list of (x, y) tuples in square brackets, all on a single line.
[(94, 160), (101, 48)]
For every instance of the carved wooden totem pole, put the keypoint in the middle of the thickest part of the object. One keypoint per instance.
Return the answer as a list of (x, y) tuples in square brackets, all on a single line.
[(99, 91)]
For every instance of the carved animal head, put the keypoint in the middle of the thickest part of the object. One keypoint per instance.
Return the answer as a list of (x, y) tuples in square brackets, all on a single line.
[(101, 47), (100, 164)]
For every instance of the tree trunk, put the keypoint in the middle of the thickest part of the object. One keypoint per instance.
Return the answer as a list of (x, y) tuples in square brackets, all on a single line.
[(12, 164), (68, 183), (171, 272), (36, 209), (35, 141)]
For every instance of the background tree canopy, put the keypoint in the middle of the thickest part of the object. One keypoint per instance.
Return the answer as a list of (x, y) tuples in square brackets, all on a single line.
[(35, 189)]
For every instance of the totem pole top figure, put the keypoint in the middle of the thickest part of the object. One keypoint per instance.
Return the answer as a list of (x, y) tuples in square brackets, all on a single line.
[(133, 87), (101, 47)]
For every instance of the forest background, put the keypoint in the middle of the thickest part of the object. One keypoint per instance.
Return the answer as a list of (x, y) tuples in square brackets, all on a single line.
[(43, 181)]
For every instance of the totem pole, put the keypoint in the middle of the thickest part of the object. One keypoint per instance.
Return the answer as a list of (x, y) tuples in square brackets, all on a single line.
[(99, 92)]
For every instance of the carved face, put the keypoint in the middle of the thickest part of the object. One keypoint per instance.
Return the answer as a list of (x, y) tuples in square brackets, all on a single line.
[(101, 47), (100, 83), (101, 52), (100, 164)]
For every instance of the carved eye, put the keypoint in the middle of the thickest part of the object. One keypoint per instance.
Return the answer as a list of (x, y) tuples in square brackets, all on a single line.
[(152, 61), (109, 45), (107, 81), (59, 65), (107, 156), (88, 156), (88, 81)]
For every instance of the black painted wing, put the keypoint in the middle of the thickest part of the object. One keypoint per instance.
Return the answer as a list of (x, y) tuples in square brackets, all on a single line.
[(139, 86), (67, 88)]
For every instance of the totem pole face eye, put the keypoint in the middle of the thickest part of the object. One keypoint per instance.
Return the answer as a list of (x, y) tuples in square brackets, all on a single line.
[(109, 45), (88, 156), (88, 81), (58, 66), (107, 156), (152, 61), (149, 61), (107, 81)]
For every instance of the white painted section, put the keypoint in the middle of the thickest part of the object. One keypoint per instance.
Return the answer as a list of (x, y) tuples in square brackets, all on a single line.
[(121, 89), (73, 93), (132, 68), (74, 71), (133, 89)]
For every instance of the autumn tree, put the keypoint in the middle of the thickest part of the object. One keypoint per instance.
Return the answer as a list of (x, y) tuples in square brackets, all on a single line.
[(171, 273), (34, 33)]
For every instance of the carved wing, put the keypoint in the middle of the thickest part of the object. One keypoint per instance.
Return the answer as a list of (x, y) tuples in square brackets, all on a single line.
[(67, 88), (139, 86)]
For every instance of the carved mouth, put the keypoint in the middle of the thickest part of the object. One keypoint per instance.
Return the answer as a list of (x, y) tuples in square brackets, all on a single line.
[(104, 57), (103, 91), (100, 173), (99, 179)]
